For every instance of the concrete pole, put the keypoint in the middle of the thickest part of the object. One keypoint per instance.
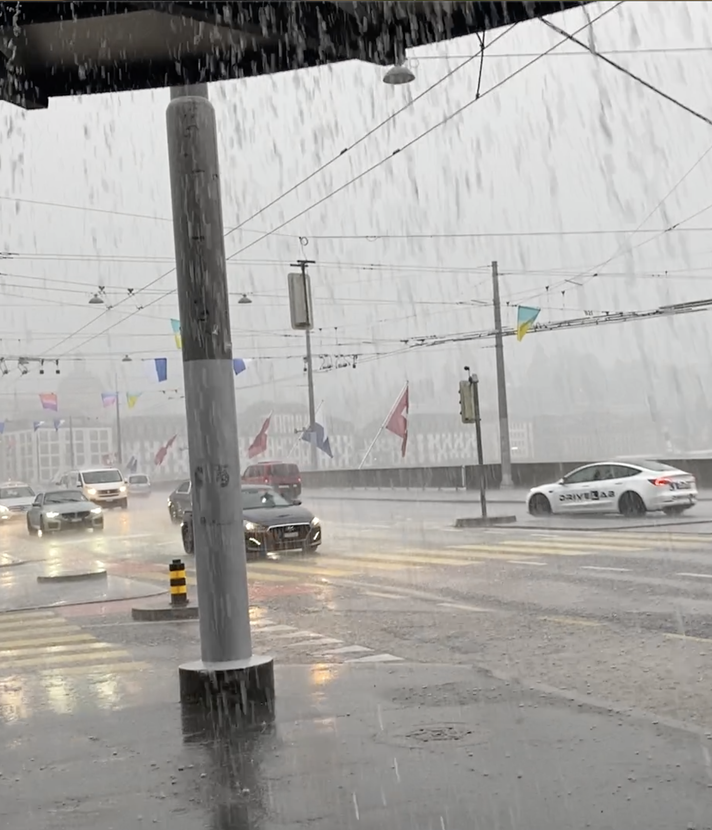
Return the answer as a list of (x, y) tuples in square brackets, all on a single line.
[(504, 448), (227, 664), (312, 408)]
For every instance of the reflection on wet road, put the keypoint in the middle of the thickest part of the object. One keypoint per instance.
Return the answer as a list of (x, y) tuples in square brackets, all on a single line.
[(384, 571), (398, 605)]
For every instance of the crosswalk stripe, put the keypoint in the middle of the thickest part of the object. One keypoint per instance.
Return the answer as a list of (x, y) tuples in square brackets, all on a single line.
[(63, 648), (320, 570), (30, 627), (109, 653), (11, 643), (502, 552), (99, 670), (661, 538), (406, 556), (576, 544)]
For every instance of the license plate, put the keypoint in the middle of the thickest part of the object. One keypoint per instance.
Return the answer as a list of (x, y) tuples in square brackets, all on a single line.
[(292, 535)]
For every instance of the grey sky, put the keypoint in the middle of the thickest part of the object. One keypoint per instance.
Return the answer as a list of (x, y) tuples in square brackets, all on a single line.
[(569, 144)]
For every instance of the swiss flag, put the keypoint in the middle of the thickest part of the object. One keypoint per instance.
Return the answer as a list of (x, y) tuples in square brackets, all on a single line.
[(397, 422), (163, 451), (259, 445)]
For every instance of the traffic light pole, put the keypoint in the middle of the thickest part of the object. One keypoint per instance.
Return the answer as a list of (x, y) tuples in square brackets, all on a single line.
[(470, 414), (480, 454)]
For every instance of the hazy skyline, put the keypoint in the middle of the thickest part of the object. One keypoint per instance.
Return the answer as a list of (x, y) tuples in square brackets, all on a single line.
[(567, 145)]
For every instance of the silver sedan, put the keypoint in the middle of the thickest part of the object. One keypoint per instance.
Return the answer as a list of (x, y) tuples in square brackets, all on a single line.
[(58, 510)]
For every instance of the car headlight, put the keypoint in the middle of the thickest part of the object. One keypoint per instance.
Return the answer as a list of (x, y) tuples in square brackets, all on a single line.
[(51, 515), (315, 522), (122, 489), (250, 527), (3, 509), (96, 510), (91, 491)]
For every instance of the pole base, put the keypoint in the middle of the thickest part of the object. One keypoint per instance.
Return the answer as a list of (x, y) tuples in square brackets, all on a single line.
[(479, 521), (244, 687)]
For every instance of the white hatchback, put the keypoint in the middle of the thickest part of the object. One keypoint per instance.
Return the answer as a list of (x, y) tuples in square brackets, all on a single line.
[(629, 488)]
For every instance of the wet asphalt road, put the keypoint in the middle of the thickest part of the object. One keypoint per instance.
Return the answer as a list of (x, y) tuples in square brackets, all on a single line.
[(604, 614)]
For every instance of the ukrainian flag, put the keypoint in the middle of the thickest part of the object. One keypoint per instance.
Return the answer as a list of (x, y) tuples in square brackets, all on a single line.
[(526, 317), (175, 325)]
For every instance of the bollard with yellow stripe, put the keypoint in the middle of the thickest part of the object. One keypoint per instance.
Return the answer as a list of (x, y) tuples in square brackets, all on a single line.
[(179, 583)]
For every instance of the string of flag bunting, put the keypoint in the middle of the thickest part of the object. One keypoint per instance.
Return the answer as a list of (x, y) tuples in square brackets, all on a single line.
[(317, 434)]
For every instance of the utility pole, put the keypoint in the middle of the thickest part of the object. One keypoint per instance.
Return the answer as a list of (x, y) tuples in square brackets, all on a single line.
[(71, 442), (119, 453), (228, 675), (504, 447), (302, 264)]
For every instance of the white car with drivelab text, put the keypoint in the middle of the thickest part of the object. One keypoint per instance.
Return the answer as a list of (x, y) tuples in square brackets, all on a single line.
[(628, 488)]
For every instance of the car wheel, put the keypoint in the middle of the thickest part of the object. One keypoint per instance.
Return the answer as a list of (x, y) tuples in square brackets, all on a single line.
[(539, 505), (124, 504), (99, 528), (31, 530), (42, 525), (631, 504), (674, 511), (188, 541)]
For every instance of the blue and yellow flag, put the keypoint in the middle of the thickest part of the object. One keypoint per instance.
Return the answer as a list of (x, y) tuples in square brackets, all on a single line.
[(175, 325), (526, 317)]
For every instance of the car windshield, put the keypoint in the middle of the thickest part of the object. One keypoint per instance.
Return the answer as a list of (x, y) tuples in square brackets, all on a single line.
[(21, 492), (64, 496), (285, 470), (253, 498), (102, 477), (138, 479)]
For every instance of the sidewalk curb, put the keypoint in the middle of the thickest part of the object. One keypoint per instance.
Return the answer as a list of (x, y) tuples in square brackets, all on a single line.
[(58, 606), (164, 613), (429, 499), (76, 576)]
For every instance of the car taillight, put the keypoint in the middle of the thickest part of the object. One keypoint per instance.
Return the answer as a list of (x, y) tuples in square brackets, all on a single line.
[(266, 481), (299, 479), (661, 482)]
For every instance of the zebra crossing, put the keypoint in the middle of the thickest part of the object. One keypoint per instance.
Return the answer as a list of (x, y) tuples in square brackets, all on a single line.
[(368, 556), (45, 644), (300, 644)]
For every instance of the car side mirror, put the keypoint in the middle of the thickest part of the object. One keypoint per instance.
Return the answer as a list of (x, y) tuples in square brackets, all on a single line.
[(561, 481)]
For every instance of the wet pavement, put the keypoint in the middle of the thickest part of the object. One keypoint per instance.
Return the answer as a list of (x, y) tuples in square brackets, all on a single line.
[(406, 746), (569, 650)]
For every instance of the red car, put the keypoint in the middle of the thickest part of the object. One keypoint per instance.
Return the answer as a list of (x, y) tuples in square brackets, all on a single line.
[(283, 477)]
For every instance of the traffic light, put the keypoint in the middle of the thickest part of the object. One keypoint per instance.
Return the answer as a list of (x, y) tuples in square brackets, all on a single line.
[(468, 410)]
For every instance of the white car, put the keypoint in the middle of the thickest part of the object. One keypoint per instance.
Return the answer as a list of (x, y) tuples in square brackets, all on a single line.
[(629, 488), (15, 500), (139, 484)]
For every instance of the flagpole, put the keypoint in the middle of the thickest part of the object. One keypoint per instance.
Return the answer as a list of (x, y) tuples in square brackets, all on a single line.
[(296, 443), (383, 425)]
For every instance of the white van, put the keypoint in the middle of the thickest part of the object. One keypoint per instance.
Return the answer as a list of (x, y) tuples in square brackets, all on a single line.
[(103, 485)]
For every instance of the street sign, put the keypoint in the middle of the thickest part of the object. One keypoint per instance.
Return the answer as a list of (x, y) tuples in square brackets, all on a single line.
[(300, 301)]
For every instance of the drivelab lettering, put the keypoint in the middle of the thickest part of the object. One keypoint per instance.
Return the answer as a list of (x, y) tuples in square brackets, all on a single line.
[(589, 495)]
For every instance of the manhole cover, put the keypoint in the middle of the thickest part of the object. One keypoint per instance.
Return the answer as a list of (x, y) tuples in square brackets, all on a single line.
[(439, 732)]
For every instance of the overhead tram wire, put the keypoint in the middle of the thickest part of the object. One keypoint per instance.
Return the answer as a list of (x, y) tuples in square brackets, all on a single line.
[(624, 247), (320, 169), (364, 173)]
